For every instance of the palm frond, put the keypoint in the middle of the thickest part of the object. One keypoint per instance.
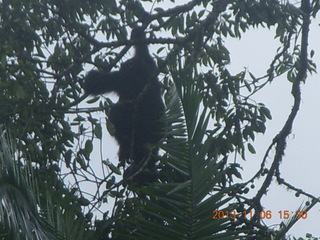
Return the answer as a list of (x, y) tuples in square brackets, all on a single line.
[(29, 209), (18, 207), (181, 206)]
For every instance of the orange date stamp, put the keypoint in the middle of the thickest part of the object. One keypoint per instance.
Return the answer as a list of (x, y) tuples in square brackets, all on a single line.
[(267, 214)]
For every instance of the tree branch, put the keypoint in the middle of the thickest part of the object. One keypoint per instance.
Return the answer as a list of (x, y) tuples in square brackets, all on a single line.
[(280, 140)]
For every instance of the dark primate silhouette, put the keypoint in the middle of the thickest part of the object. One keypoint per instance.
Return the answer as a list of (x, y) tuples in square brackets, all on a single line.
[(136, 116)]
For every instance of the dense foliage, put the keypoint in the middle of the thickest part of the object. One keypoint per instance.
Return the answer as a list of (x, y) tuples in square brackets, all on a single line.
[(59, 135)]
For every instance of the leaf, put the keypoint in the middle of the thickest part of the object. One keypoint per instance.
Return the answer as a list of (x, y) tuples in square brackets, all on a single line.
[(93, 100), (88, 147), (251, 148), (114, 169), (266, 112), (160, 50), (159, 9), (84, 202), (180, 187), (79, 119), (81, 161), (312, 53), (110, 128), (67, 157), (201, 13), (98, 131)]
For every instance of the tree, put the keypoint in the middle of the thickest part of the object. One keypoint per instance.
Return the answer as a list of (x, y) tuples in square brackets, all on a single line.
[(47, 48)]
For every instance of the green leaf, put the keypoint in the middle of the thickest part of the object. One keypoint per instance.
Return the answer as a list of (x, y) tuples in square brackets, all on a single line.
[(114, 169), (266, 112), (98, 131), (201, 13), (81, 161), (110, 128), (312, 52), (88, 149), (180, 187), (251, 148), (79, 119), (93, 100), (84, 202)]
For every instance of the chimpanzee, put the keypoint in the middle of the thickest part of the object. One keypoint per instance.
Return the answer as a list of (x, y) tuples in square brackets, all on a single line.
[(137, 116)]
